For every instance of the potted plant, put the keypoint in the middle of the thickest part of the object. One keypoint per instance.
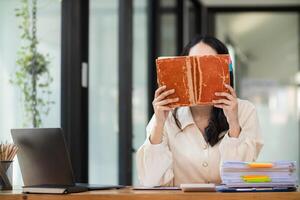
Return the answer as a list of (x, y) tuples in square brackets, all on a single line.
[(32, 76)]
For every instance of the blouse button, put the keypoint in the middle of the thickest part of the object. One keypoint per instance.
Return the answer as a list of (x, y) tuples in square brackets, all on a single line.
[(204, 164), (205, 146)]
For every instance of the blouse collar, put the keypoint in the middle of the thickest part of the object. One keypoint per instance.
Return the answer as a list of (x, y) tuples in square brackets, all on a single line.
[(185, 117)]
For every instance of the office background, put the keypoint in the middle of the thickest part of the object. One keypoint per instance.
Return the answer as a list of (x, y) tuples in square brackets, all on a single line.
[(104, 121)]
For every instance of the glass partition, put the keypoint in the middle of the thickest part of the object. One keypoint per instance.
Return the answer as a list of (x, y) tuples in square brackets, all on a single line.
[(139, 99), (103, 92), (266, 50)]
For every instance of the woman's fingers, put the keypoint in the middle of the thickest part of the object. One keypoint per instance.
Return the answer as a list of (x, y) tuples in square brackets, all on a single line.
[(163, 95), (222, 101), (229, 100), (160, 102), (232, 92), (166, 102), (159, 90), (225, 94)]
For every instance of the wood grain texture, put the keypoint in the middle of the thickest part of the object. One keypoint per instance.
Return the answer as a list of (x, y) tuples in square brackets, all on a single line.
[(128, 194), (11, 195)]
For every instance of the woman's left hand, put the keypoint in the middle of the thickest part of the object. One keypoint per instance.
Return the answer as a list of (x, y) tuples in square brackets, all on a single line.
[(229, 104)]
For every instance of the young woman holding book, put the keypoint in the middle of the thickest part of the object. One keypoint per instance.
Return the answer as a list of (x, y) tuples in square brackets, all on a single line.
[(188, 144)]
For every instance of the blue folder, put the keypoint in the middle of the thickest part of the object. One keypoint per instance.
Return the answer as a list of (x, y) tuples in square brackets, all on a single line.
[(228, 189)]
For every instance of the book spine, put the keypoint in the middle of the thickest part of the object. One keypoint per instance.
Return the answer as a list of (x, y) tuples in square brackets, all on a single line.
[(194, 78), (199, 85), (190, 81)]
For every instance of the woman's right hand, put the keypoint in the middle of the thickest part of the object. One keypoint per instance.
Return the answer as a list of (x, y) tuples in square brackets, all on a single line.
[(161, 111), (160, 104)]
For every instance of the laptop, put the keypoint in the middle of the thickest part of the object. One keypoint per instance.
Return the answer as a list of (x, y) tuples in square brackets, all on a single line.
[(45, 162)]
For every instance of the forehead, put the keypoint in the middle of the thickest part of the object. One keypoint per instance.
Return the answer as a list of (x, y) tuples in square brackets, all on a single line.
[(202, 49)]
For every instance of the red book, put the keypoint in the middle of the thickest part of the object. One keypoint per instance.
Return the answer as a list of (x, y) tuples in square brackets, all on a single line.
[(194, 78)]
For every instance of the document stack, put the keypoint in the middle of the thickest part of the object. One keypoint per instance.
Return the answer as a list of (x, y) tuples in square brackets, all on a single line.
[(258, 176)]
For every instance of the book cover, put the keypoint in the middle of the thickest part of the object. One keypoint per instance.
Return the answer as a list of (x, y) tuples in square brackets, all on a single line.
[(194, 78)]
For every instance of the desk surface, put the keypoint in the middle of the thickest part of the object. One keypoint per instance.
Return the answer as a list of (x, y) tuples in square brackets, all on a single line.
[(127, 193)]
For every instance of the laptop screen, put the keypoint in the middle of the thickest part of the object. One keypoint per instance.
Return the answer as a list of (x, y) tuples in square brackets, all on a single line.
[(43, 156)]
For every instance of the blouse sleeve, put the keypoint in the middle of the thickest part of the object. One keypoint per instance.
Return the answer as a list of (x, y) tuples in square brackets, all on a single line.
[(154, 161), (249, 143)]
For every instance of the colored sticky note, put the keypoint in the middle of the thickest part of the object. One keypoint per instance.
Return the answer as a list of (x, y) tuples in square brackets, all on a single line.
[(257, 180), (255, 176), (260, 165)]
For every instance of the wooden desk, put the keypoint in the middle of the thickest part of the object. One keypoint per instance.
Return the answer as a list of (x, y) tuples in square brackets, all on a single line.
[(128, 194)]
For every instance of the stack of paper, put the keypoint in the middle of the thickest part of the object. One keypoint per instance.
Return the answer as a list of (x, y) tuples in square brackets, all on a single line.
[(281, 174)]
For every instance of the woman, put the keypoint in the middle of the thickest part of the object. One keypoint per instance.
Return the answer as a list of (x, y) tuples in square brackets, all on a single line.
[(187, 144)]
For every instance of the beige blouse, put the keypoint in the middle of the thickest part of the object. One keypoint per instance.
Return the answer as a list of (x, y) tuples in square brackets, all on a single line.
[(185, 157)]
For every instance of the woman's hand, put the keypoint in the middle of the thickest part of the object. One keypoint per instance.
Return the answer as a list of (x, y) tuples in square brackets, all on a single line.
[(160, 104), (229, 104), (161, 111)]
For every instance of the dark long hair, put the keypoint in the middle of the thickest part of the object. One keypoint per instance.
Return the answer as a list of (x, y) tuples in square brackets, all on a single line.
[(217, 122)]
